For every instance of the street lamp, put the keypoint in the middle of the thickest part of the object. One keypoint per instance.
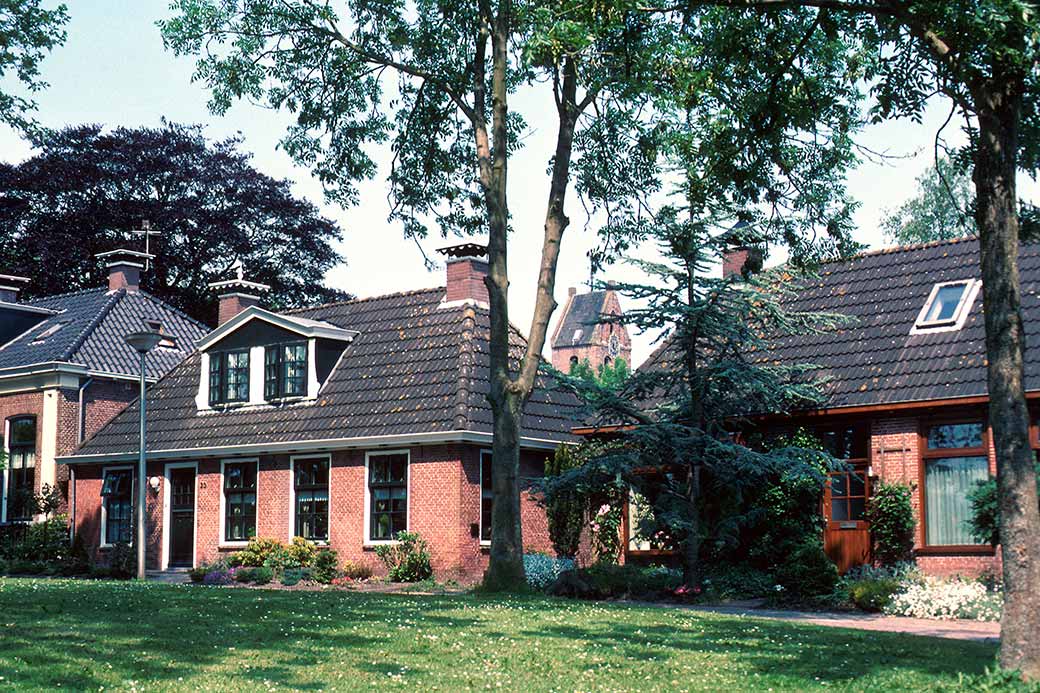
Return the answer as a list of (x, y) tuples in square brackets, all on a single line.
[(142, 343)]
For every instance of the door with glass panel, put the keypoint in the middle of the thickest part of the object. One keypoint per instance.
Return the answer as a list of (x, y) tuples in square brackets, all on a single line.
[(182, 517), (846, 535)]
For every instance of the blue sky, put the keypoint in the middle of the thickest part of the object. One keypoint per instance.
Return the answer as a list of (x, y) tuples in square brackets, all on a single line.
[(113, 70)]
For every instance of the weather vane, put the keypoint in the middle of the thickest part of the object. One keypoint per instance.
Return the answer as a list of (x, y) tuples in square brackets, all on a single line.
[(147, 231)]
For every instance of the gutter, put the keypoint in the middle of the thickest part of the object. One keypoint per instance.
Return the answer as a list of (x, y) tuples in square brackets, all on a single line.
[(435, 438), (76, 369)]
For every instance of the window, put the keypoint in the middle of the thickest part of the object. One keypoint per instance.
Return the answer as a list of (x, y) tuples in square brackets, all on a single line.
[(311, 490), (229, 376), (947, 306), (848, 489), (22, 466), (285, 370), (954, 460), (49, 332), (239, 501), (117, 497), (388, 495), (487, 495)]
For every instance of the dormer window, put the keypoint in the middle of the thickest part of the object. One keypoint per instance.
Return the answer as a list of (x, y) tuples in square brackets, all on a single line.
[(285, 370), (229, 376), (947, 306)]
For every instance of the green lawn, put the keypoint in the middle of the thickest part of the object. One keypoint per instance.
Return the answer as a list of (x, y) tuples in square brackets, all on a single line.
[(80, 635)]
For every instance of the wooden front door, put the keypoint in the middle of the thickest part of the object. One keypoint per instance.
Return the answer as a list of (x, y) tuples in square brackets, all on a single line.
[(846, 537), (182, 517)]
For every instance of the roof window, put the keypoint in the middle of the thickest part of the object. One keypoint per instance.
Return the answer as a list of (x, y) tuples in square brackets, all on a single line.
[(167, 341), (42, 337), (947, 306)]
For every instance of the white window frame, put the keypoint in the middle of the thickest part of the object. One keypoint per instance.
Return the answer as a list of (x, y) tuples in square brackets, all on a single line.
[(960, 314), (222, 542), (167, 514), (480, 497), (367, 541), (104, 510), (5, 473), (292, 496)]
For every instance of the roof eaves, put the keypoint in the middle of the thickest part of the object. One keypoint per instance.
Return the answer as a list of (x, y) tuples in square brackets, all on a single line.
[(308, 328)]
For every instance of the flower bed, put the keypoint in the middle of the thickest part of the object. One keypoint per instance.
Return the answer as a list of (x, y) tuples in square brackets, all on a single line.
[(905, 591)]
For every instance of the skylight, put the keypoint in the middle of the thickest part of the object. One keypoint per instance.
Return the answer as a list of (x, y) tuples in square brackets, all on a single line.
[(42, 337), (947, 306)]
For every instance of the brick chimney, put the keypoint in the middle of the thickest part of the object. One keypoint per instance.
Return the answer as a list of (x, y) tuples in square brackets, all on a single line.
[(467, 269), (236, 295), (124, 268), (10, 285), (743, 255)]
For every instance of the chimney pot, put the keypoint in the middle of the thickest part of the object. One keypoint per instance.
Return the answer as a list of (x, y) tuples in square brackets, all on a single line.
[(236, 295), (124, 268), (10, 285), (467, 269)]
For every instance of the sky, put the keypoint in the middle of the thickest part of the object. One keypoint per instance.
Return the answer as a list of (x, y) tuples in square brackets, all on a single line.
[(113, 70)]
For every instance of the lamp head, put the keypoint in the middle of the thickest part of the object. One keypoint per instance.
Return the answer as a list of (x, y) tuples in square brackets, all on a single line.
[(143, 342)]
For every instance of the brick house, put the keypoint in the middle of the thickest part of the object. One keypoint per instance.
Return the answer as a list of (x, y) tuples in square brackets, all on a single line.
[(907, 394), (65, 372), (343, 423)]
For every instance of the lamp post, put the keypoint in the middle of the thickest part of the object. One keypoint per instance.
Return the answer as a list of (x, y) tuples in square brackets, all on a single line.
[(142, 342)]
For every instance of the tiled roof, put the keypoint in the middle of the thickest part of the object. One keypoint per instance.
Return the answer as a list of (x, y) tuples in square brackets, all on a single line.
[(583, 313), (876, 360), (88, 329), (414, 368)]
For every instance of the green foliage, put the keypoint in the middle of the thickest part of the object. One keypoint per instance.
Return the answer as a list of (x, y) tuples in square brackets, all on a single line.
[(205, 197), (994, 680), (566, 511), (407, 559), (302, 552), (807, 573), (611, 581), (943, 207), (47, 540), (356, 571), (28, 32), (890, 513), (873, 594), (273, 554), (204, 568), (985, 510), (724, 581), (325, 567), (292, 576), (606, 530), (122, 561)]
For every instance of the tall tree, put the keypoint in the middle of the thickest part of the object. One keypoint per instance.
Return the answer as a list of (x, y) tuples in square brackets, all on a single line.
[(85, 189), (28, 31), (983, 56), (433, 80), (940, 210)]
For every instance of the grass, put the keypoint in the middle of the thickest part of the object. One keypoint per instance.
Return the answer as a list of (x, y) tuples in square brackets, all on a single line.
[(82, 635)]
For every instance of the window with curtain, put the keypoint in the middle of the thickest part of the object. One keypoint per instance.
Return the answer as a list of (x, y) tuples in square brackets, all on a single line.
[(117, 495), (22, 468), (487, 495), (388, 495), (229, 376), (285, 370), (311, 487), (239, 501), (955, 460)]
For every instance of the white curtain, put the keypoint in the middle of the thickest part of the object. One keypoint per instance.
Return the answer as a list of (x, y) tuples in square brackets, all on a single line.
[(947, 482)]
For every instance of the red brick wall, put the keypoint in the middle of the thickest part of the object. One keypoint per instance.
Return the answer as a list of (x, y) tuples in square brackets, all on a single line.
[(231, 305), (444, 500), (466, 280)]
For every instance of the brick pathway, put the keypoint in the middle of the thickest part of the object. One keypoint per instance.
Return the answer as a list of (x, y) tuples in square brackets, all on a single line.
[(957, 630)]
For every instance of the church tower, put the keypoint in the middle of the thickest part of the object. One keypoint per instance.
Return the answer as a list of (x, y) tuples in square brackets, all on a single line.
[(582, 333)]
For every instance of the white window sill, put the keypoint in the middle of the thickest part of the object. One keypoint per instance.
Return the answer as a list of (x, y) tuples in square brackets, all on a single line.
[(232, 544), (383, 542), (485, 543)]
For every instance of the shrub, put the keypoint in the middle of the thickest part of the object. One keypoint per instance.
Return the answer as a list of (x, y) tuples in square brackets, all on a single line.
[(606, 532), (292, 576), (262, 575), (243, 574), (724, 581), (198, 574), (890, 513), (407, 559), (985, 510), (807, 572), (79, 559), (302, 552), (606, 581), (256, 552), (873, 595), (326, 566), (356, 571), (566, 511), (217, 576), (933, 597), (46, 541), (542, 570), (122, 562)]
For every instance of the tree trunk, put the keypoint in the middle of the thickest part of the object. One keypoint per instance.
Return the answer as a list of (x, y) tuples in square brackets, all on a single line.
[(999, 110), (692, 544)]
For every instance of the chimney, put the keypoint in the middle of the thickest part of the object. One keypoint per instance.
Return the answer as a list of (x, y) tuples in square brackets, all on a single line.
[(124, 268), (10, 285), (467, 269), (236, 295), (572, 290), (743, 254)]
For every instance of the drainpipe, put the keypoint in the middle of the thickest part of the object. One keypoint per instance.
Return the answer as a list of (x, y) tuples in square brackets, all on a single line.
[(82, 410)]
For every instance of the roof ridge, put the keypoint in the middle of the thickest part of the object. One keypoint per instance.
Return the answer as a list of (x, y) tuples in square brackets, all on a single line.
[(330, 304), (77, 292), (902, 249), (74, 346), (169, 306)]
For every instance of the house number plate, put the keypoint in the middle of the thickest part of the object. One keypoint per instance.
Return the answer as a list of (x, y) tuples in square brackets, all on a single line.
[(848, 525)]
